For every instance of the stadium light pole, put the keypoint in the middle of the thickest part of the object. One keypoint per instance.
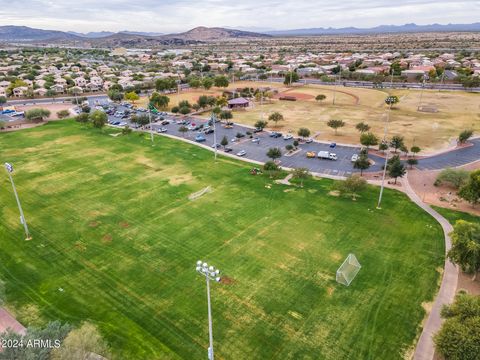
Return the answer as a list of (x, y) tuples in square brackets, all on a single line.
[(210, 273), (150, 119), (389, 101), (9, 168), (214, 120)]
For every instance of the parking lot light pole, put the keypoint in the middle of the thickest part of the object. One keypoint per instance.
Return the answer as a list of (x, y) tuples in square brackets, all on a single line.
[(210, 273), (9, 168)]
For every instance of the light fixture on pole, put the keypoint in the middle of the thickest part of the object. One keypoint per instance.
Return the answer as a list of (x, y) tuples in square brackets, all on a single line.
[(9, 168), (210, 273)]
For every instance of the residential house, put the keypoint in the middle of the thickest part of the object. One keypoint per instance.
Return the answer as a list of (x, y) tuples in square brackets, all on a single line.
[(80, 82), (3, 92), (20, 91)]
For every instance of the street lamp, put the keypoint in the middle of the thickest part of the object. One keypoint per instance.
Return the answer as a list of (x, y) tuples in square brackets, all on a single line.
[(214, 120), (9, 168), (210, 273), (150, 105)]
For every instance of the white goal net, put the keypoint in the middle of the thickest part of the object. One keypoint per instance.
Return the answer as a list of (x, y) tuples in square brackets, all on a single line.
[(348, 270)]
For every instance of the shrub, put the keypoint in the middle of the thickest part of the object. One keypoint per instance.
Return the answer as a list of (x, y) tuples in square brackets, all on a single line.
[(464, 136), (454, 177)]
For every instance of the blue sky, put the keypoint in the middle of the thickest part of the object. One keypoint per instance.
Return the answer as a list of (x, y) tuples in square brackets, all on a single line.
[(180, 15)]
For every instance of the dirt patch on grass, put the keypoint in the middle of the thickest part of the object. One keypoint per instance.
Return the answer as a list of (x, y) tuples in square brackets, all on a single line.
[(334, 193), (227, 280), (80, 246), (93, 224), (107, 238), (330, 290), (124, 224), (180, 179)]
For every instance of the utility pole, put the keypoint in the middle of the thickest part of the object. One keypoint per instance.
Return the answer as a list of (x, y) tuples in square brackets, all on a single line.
[(9, 168), (214, 120), (150, 120)]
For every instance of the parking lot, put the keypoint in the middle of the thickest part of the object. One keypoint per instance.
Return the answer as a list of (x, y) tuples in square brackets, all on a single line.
[(254, 149)]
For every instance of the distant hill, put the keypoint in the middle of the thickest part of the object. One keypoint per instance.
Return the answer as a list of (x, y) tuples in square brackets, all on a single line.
[(92, 35), (378, 29), (203, 33), (24, 33)]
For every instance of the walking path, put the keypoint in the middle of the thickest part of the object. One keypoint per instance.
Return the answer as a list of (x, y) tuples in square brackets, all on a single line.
[(7, 321), (425, 347)]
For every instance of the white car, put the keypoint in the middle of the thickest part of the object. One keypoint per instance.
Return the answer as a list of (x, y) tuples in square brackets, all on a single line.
[(162, 130), (255, 140), (309, 140), (287, 137), (354, 157), (241, 153)]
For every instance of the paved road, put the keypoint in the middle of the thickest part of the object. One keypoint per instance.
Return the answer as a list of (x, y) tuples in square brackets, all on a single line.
[(453, 158)]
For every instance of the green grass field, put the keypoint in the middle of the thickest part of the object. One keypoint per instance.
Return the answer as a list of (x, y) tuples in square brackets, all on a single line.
[(453, 215), (113, 227)]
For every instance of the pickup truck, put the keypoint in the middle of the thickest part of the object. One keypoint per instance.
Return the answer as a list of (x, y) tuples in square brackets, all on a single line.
[(326, 155)]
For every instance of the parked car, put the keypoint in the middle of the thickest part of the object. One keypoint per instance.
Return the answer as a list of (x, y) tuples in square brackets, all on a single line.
[(241, 153), (333, 145), (354, 157), (257, 130), (200, 138), (209, 131), (162, 130), (216, 146), (287, 137), (165, 122), (227, 149), (256, 140), (311, 154), (309, 140), (275, 135)]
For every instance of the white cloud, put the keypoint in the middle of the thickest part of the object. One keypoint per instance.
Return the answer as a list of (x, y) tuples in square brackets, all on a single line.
[(180, 15)]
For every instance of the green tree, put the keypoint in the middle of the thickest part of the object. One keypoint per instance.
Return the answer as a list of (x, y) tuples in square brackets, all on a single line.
[(464, 136), (224, 141), (335, 124), (291, 77), (274, 153), (159, 101), (303, 132), (141, 119), (82, 118), (207, 83), (115, 95), (37, 114), (81, 343), (226, 115), (362, 127), (471, 190), (412, 162), (454, 177), (395, 168), (351, 186), (132, 96), (126, 130), (222, 101), (194, 82), (3, 100), (261, 124), (276, 117), (368, 139), (465, 250), (415, 150), (362, 163), (459, 336), (184, 110), (182, 129), (98, 119), (320, 97), (220, 81), (202, 101), (62, 114), (271, 168), (383, 146), (301, 174), (397, 142), (165, 84)]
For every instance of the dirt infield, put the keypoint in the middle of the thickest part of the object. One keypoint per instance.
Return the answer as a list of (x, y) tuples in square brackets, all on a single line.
[(297, 95)]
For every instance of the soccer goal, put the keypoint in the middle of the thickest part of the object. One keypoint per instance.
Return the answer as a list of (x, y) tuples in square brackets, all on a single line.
[(348, 270)]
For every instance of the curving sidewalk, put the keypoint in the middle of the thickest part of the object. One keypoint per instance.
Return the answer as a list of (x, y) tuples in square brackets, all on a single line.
[(425, 347)]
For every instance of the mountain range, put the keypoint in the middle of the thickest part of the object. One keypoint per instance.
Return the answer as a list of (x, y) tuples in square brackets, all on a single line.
[(11, 33), (378, 29)]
